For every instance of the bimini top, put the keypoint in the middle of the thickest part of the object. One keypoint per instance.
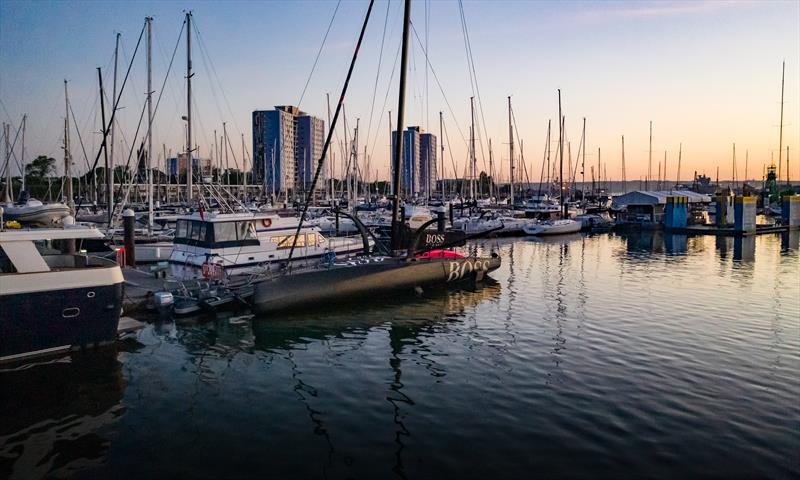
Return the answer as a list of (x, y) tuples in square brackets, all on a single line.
[(34, 234)]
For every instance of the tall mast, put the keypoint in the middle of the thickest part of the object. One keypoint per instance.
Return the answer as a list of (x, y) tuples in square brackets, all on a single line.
[(8, 191), (189, 166), (109, 170), (391, 165), (67, 159), (511, 153), (22, 154), (624, 183), (225, 147), (330, 162), (649, 160), (398, 150), (746, 159), (599, 173), (110, 154), (561, 157), (780, 135), (149, 21), (734, 165), (472, 190), (664, 177), (441, 149), (491, 170), (583, 161)]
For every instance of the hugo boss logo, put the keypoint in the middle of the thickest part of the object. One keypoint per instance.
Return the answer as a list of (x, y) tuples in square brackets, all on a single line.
[(459, 269)]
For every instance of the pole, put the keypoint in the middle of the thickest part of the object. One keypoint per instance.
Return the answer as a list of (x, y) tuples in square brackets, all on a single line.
[(109, 171), (67, 159), (149, 21), (561, 157), (510, 154), (649, 160), (472, 148), (189, 166), (22, 155), (624, 183), (225, 147), (400, 122), (441, 149), (8, 191), (111, 131), (780, 135)]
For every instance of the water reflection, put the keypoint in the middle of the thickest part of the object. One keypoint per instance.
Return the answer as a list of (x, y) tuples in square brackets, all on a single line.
[(53, 414)]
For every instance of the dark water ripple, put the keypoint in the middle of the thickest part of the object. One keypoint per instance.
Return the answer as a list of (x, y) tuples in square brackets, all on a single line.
[(604, 356)]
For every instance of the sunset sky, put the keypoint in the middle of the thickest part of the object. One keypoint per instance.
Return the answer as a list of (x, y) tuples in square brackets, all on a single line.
[(706, 73)]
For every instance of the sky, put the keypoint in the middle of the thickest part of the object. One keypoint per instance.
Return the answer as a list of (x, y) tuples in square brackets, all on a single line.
[(707, 74)]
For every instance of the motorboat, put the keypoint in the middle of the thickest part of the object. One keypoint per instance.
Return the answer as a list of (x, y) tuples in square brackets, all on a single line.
[(35, 213), (206, 244), (51, 301), (552, 227)]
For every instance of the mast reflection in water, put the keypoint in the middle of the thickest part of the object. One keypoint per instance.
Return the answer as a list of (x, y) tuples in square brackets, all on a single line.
[(617, 355)]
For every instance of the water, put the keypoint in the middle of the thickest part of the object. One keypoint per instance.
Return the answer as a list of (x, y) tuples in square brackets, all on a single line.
[(610, 356)]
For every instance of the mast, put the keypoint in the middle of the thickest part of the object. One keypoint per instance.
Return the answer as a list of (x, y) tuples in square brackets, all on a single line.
[(109, 171), (330, 163), (780, 135), (649, 160), (225, 147), (680, 154), (441, 149), (624, 183), (746, 159), (189, 166), (583, 162), (734, 165), (561, 158), (67, 159), (8, 192), (22, 155), (149, 21), (510, 153), (599, 172), (472, 189), (111, 131), (398, 150), (491, 169)]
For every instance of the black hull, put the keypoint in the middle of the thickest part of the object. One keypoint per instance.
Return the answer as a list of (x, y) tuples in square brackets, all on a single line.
[(321, 286), (41, 322)]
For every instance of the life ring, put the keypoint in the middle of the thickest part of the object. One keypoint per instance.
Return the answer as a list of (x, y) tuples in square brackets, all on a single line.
[(266, 222)]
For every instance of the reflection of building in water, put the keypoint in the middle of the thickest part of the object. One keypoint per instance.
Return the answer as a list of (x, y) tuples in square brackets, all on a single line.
[(52, 414), (675, 244)]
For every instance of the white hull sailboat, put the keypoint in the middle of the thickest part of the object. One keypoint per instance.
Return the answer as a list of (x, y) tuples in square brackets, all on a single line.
[(552, 227)]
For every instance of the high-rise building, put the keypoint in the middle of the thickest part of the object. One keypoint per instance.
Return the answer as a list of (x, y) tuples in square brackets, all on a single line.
[(428, 163), (310, 140), (286, 146), (409, 163), (418, 165)]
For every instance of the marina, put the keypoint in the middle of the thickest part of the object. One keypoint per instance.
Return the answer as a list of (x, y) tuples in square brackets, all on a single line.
[(372, 280)]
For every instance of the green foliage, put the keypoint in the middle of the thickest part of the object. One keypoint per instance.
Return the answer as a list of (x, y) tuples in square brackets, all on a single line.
[(40, 167)]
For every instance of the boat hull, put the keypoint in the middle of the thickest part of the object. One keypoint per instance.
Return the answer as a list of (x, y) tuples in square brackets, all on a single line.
[(554, 229), (322, 286), (41, 322)]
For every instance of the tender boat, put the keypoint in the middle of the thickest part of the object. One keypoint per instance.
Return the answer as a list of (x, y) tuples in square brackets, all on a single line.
[(552, 227), (245, 243), (35, 213), (51, 301)]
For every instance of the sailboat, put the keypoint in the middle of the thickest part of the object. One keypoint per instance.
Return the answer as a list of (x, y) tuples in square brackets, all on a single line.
[(370, 275), (565, 224)]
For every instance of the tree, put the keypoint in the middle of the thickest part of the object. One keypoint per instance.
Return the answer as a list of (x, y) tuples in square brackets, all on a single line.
[(40, 168)]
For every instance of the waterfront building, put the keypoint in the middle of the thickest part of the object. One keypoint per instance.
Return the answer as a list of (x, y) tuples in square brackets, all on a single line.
[(177, 165), (286, 144), (419, 150), (428, 163)]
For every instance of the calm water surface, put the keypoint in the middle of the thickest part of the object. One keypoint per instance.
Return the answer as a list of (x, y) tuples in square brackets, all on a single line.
[(605, 356)]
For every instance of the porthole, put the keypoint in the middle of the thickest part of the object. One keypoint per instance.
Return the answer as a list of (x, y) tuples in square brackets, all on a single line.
[(90, 294), (71, 312)]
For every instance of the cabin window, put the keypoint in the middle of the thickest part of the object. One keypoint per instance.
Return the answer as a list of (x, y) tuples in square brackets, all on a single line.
[(247, 231), (225, 232), (201, 237), (312, 239), (195, 231), (182, 228), (285, 241)]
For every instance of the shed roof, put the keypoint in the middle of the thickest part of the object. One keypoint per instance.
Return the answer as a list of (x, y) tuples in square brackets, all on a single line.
[(646, 197)]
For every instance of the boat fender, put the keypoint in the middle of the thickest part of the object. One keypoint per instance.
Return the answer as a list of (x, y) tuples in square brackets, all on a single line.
[(266, 222)]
